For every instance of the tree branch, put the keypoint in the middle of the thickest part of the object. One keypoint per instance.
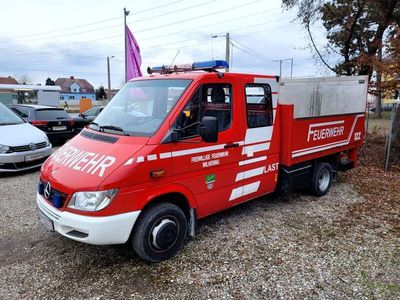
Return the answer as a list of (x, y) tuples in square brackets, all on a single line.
[(316, 49), (347, 43)]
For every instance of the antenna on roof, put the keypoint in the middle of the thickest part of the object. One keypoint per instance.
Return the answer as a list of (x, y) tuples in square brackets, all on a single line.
[(170, 65)]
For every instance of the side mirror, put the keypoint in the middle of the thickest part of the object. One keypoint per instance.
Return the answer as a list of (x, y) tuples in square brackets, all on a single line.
[(209, 129)]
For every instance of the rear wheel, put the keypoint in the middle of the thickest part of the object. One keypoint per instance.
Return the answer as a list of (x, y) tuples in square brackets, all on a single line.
[(160, 232), (322, 179)]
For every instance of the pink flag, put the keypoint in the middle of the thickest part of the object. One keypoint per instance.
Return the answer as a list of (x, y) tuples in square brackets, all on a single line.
[(133, 59)]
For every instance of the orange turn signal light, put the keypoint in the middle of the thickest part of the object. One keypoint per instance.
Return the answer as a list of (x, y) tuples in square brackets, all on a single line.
[(157, 174)]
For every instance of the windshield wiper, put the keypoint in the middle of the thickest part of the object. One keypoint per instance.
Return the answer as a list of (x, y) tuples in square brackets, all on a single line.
[(112, 127), (94, 123)]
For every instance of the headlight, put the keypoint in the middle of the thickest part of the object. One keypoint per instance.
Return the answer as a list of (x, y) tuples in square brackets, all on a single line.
[(92, 201), (4, 149), (47, 141)]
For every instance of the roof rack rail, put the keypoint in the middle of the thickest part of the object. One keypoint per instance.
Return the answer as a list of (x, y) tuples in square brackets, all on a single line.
[(208, 66)]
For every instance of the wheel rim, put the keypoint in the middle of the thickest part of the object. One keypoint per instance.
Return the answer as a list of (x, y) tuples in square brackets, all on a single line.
[(323, 180), (164, 234)]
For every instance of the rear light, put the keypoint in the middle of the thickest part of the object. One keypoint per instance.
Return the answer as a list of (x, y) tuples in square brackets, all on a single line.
[(39, 123), (70, 122)]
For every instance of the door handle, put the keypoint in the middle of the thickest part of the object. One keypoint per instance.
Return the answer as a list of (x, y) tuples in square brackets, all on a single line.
[(231, 145)]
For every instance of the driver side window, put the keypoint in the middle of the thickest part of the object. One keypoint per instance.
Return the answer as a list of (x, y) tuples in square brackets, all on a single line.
[(209, 100)]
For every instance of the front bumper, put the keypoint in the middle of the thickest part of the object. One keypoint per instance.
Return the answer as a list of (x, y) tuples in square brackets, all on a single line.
[(109, 230), (16, 161)]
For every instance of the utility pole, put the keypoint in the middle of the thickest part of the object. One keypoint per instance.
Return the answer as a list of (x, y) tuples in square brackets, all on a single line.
[(281, 61), (109, 78), (227, 50), (126, 13), (227, 47)]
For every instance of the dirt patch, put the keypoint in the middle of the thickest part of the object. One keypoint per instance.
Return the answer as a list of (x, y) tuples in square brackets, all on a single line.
[(380, 189)]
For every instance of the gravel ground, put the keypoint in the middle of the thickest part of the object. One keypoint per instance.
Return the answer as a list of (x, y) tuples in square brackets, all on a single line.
[(291, 248)]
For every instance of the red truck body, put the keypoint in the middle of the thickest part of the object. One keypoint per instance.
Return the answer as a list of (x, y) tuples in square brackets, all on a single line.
[(311, 138), (138, 176)]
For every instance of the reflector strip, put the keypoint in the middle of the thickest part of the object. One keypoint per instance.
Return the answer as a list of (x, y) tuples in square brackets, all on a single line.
[(244, 190), (252, 160), (250, 173)]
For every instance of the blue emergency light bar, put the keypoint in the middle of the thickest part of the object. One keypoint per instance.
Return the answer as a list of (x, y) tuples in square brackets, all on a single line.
[(209, 66)]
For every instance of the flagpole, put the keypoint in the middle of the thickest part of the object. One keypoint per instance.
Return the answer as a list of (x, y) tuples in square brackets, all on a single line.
[(126, 12)]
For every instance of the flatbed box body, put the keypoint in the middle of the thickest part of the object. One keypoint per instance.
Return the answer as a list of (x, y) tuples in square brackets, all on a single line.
[(182, 146), (321, 117)]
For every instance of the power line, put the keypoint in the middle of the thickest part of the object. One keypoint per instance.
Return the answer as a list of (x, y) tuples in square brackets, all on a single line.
[(207, 36), (249, 53), (169, 34), (92, 23), (83, 6), (210, 25), (170, 49), (61, 30), (193, 45), (174, 11), (62, 71), (112, 26), (198, 38), (157, 7), (250, 49), (201, 16)]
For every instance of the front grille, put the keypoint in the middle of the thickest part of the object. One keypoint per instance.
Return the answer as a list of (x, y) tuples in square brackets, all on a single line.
[(56, 198), (28, 147), (22, 165)]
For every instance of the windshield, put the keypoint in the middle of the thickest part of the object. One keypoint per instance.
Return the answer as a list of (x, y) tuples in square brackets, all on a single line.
[(7, 117), (140, 107)]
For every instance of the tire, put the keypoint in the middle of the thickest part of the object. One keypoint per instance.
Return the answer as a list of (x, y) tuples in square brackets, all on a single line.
[(322, 179), (160, 232)]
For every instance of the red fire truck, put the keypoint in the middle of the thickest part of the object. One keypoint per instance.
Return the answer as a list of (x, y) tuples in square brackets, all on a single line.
[(187, 142)]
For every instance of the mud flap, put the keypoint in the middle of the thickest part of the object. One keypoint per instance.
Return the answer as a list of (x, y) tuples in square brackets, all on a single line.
[(192, 228)]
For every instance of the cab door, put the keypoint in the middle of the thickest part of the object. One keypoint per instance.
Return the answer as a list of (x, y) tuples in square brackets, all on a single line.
[(208, 170), (258, 163)]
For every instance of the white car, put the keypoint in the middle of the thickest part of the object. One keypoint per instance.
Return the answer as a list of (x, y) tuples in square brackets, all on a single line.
[(22, 146)]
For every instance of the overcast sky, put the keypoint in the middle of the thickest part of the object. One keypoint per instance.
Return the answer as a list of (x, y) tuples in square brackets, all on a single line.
[(59, 39)]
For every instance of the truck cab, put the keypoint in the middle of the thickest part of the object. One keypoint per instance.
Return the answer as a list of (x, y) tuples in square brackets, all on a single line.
[(169, 149)]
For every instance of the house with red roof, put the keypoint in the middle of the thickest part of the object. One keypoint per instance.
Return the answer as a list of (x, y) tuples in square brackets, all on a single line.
[(75, 89), (7, 95)]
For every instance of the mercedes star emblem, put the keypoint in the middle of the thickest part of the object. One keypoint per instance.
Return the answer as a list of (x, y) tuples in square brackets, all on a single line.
[(47, 190)]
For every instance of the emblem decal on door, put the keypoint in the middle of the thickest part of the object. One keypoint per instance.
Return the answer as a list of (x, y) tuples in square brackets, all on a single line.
[(210, 179)]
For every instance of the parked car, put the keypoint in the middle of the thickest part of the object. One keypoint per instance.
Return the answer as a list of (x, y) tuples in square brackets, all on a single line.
[(22, 146), (86, 117), (54, 121), (384, 108)]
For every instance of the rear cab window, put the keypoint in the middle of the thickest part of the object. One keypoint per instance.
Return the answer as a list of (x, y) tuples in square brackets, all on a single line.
[(258, 105)]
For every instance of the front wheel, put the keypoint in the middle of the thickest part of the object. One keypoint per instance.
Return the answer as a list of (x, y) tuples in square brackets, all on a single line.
[(322, 179), (160, 232)]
